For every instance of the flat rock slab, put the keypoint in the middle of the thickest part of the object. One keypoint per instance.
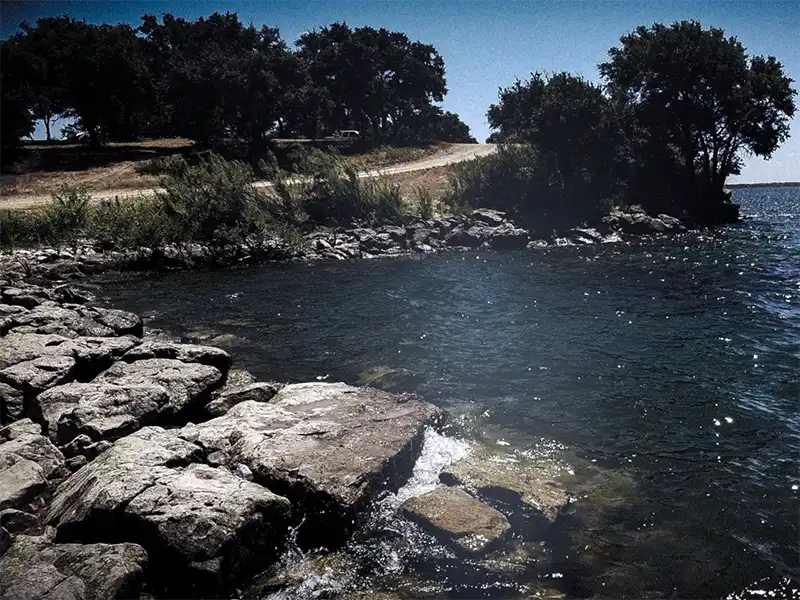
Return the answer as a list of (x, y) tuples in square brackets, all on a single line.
[(256, 392), (28, 461), (35, 376), (328, 447), (101, 411), (120, 321), (50, 318), (211, 523), (33, 568), (190, 353), (186, 384), (199, 524), (457, 518), (92, 354), (540, 486)]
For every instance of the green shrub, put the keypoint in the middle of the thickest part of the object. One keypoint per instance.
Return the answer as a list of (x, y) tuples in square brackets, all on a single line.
[(67, 215), (213, 202), (517, 181), (339, 196), (423, 202)]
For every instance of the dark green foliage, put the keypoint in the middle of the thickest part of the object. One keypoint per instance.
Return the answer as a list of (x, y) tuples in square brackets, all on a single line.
[(565, 169), (225, 85), (373, 80), (681, 106), (338, 196), (16, 116), (699, 102), (212, 202)]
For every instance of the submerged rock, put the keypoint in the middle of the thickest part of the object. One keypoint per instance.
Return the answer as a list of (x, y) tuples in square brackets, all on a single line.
[(390, 380), (33, 567), (487, 471), (457, 518), (328, 447)]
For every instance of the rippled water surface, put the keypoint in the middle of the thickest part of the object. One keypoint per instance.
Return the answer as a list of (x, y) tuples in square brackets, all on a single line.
[(671, 363)]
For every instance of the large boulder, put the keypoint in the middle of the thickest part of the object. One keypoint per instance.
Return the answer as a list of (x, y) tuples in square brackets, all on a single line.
[(203, 527), (190, 353), (28, 462), (457, 519), (256, 392), (188, 385), (34, 376), (508, 237), (328, 447), (92, 354), (33, 568), (489, 217), (535, 484), (101, 411), (48, 318), (120, 321)]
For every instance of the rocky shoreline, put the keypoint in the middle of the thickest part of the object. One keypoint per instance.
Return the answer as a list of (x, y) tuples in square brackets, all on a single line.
[(480, 229), (138, 467)]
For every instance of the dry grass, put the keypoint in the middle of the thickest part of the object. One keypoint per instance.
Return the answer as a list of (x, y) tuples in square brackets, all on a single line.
[(120, 174), (389, 155), (433, 180), (123, 175)]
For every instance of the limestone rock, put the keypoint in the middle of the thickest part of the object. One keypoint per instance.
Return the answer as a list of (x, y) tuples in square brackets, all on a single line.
[(457, 519), (101, 411), (120, 321), (15, 521), (485, 470), (200, 525), (508, 237), (187, 384), (328, 447), (24, 438), (50, 318), (92, 354), (90, 499), (34, 568), (390, 380), (27, 461), (188, 353), (35, 376), (210, 523), (488, 217), (257, 392), (12, 403)]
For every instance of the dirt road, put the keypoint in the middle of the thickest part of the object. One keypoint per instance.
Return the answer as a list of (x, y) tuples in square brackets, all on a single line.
[(454, 153)]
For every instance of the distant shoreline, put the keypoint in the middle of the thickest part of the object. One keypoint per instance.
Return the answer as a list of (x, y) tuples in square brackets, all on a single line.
[(758, 185)]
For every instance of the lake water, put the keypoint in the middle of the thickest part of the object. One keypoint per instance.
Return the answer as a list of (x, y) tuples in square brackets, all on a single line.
[(670, 365)]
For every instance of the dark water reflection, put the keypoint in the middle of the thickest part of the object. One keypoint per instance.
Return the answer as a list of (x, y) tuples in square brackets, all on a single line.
[(674, 362)]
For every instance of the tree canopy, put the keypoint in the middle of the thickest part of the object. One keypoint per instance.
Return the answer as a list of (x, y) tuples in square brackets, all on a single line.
[(698, 91), (680, 108), (222, 83)]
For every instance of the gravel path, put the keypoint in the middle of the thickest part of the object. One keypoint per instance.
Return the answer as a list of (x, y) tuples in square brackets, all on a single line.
[(452, 154)]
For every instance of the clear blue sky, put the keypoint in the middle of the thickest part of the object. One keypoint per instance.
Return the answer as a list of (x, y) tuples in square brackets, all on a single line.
[(487, 44)]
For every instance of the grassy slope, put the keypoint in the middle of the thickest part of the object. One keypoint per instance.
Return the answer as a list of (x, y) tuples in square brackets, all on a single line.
[(125, 166)]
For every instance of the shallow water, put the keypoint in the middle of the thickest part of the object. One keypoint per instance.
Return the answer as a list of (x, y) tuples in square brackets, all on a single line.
[(666, 370)]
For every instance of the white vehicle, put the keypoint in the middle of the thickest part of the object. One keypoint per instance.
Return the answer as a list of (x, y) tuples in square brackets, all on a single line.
[(345, 134)]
